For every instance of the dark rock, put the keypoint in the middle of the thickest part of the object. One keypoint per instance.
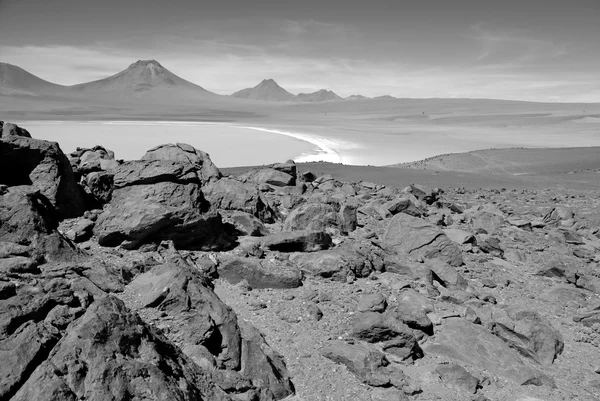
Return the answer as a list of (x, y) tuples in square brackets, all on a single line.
[(124, 358), (402, 205), (189, 156), (247, 224), (375, 302), (98, 188), (298, 241), (160, 200), (269, 176), (532, 336), (491, 245), (28, 161), (455, 376), (9, 129), (230, 194), (336, 264), (319, 216), (260, 274), (447, 275), (386, 328), (369, 365), (415, 237), (472, 344)]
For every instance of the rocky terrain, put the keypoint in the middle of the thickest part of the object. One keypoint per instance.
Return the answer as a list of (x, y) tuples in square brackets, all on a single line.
[(165, 278)]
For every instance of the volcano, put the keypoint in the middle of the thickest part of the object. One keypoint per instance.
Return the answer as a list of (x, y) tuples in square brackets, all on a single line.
[(141, 78), (268, 89), (16, 81)]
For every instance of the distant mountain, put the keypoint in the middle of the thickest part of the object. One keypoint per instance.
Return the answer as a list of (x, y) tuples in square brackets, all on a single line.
[(16, 81), (139, 78), (268, 89), (356, 97), (385, 97), (318, 96)]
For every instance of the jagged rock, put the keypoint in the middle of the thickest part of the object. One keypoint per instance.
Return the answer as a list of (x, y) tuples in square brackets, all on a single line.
[(8, 249), (260, 274), (369, 365), (447, 275), (27, 218), (188, 156), (459, 236), (123, 358), (402, 205), (230, 194), (415, 237), (298, 241), (487, 221), (375, 302), (566, 236), (532, 336), (472, 344), (422, 193), (98, 158), (455, 376), (413, 315), (98, 187), (80, 231), (28, 161), (319, 216), (491, 245), (210, 333), (288, 167), (269, 176), (18, 264), (247, 224), (386, 328), (336, 264), (9, 129), (558, 214), (160, 200)]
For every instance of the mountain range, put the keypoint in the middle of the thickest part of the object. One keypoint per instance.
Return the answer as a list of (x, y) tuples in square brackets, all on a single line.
[(146, 79)]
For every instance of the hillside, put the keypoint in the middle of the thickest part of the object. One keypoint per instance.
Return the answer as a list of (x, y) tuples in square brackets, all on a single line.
[(16, 81)]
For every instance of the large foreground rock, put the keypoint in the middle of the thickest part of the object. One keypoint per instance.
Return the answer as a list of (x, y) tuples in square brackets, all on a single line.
[(472, 344), (209, 332), (160, 200), (415, 237), (28, 161), (111, 354)]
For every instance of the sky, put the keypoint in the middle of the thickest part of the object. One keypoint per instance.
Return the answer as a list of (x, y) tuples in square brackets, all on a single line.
[(538, 50)]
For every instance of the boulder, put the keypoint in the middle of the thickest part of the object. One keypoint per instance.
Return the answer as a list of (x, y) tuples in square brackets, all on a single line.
[(189, 156), (298, 241), (472, 344), (457, 377), (320, 216), (402, 205), (388, 329), (247, 224), (160, 200), (98, 158), (123, 358), (260, 274), (336, 264), (28, 219), (369, 365), (374, 302), (487, 221), (489, 244), (98, 188), (230, 194), (209, 332), (28, 161), (269, 176), (532, 336), (417, 238), (9, 129)]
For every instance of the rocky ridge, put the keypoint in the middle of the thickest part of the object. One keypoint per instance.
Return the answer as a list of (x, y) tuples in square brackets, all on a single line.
[(177, 282)]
